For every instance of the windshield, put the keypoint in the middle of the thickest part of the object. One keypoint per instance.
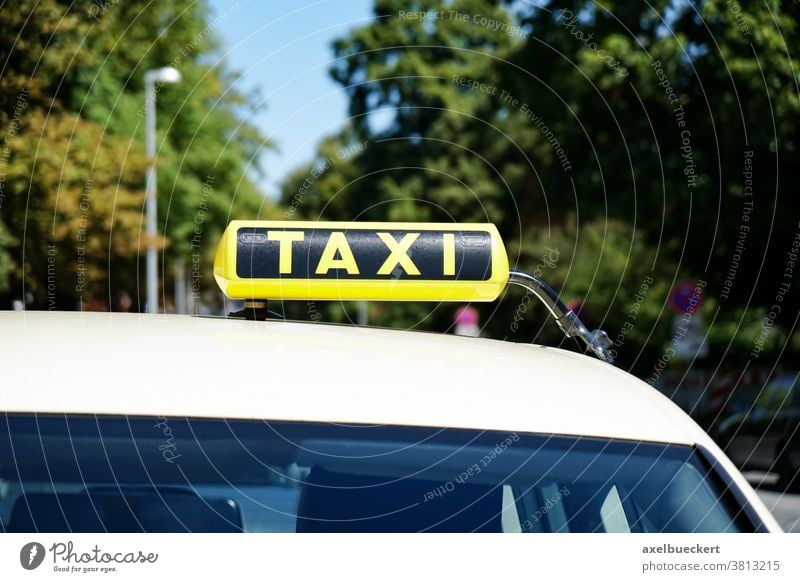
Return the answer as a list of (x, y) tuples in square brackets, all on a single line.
[(118, 474)]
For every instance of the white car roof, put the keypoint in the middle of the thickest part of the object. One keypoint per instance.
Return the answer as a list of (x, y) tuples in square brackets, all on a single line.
[(174, 365), (177, 365)]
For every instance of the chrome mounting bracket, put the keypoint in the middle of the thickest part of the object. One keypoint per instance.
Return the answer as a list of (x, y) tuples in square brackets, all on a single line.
[(596, 341)]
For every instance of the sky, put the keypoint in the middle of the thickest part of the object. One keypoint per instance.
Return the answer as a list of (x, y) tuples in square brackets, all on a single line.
[(283, 49)]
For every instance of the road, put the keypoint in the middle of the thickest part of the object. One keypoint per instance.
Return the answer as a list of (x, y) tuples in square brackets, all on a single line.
[(784, 506)]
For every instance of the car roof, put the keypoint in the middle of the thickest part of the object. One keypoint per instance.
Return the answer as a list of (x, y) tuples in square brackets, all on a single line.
[(185, 366), (178, 365)]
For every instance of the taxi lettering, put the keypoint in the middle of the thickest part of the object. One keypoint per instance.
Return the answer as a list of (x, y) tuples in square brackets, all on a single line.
[(362, 253), (355, 261), (337, 246)]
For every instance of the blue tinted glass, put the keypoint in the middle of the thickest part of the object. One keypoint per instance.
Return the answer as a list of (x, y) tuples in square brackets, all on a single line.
[(96, 474)]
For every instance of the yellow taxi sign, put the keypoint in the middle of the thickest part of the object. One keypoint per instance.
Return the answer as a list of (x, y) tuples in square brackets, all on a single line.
[(361, 261)]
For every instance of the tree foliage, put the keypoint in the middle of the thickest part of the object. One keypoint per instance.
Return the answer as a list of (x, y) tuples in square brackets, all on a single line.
[(74, 173), (618, 132)]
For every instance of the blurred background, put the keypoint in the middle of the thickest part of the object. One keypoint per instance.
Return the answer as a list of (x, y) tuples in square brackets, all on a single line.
[(639, 157)]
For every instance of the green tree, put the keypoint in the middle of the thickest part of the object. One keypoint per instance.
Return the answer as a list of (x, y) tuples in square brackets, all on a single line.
[(79, 206), (89, 87), (553, 120), (428, 162)]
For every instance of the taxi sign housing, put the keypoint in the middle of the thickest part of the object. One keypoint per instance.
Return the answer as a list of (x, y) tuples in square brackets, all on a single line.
[(398, 261)]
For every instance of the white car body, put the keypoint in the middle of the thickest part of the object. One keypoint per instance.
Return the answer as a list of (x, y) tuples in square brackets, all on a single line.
[(173, 365)]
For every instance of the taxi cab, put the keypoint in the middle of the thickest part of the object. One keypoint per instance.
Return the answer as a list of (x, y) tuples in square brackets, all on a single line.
[(249, 423)]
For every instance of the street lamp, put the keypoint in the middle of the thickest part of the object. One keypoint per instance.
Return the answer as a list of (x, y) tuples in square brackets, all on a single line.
[(162, 75)]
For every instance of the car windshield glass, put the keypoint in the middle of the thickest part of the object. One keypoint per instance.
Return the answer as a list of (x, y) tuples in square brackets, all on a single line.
[(122, 474)]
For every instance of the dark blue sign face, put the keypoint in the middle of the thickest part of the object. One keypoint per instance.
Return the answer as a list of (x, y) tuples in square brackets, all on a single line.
[(324, 253)]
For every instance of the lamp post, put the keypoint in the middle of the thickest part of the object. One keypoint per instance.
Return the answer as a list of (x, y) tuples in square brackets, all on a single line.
[(162, 75)]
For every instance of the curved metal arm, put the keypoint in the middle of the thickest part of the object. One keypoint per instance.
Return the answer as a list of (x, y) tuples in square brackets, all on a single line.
[(597, 341)]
